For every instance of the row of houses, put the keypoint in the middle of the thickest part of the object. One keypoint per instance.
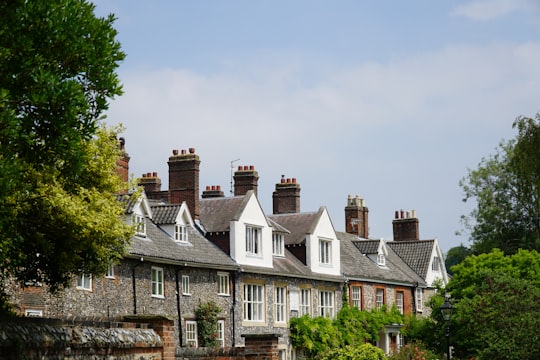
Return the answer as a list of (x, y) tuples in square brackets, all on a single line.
[(261, 269)]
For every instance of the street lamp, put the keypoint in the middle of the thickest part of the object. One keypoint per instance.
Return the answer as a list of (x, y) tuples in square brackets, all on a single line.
[(446, 311)]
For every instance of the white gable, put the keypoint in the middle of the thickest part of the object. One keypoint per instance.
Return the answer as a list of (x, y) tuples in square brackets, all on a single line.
[(184, 216), (436, 269), (323, 247), (251, 235)]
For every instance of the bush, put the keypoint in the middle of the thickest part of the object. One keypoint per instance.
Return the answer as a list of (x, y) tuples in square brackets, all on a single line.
[(414, 351), (352, 352)]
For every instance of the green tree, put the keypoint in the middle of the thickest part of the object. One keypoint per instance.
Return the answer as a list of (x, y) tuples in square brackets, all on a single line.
[(58, 213), (207, 322), (506, 188), (455, 256), (352, 352)]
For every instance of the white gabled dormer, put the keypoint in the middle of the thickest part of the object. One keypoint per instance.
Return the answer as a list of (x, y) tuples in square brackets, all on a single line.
[(322, 246), (251, 234), (138, 212), (436, 269)]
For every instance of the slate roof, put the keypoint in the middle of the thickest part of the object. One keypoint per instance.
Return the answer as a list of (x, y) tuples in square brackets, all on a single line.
[(416, 253), (217, 213), (355, 264), (299, 224), (128, 201), (367, 246), (165, 214), (159, 245)]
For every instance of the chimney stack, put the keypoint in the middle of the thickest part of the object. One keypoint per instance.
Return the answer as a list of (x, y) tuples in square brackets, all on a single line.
[(286, 197), (213, 191), (122, 164), (356, 217), (184, 180), (406, 226), (245, 179), (150, 182)]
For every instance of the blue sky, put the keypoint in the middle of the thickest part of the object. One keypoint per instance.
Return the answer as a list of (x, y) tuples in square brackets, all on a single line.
[(390, 100)]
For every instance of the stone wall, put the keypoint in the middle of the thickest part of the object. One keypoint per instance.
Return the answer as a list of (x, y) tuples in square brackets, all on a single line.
[(52, 339)]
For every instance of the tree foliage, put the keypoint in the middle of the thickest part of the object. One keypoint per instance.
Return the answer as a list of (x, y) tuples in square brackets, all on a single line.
[(352, 352), (58, 214), (506, 188), (456, 255), (207, 322)]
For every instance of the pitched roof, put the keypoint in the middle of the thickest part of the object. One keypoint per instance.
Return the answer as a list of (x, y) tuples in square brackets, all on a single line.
[(416, 253), (299, 224), (128, 201), (367, 246), (217, 213), (159, 245), (165, 214), (356, 264)]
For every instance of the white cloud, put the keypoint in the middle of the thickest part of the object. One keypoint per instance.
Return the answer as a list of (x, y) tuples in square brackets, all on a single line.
[(490, 9)]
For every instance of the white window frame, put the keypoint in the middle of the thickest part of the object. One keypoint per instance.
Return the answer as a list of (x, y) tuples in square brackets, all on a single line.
[(140, 225), (221, 333), (253, 241), (180, 233), (191, 334), (254, 303), (33, 313), (356, 296), (110, 272), (305, 302), (157, 280), (278, 244), (381, 259), (326, 303), (223, 284), (185, 285), (419, 299), (379, 298), (400, 300), (280, 304), (84, 282), (325, 252), (435, 264)]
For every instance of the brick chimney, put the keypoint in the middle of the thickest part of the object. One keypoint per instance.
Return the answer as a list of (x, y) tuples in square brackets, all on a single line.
[(245, 179), (150, 182), (213, 191), (406, 226), (184, 180), (286, 197), (356, 217), (122, 164)]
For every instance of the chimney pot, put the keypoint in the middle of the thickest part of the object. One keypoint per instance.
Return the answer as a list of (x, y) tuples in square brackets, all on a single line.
[(294, 180), (183, 151), (175, 152), (154, 174), (218, 187), (251, 167), (143, 175), (402, 213), (192, 150), (396, 216), (207, 187)]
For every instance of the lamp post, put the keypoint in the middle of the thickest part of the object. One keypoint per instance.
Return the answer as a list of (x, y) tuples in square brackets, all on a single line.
[(446, 311)]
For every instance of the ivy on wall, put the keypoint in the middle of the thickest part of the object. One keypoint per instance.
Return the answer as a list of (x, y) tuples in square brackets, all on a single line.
[(207, 319)]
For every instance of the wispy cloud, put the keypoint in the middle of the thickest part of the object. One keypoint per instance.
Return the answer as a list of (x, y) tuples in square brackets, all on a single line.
[(484, 10)]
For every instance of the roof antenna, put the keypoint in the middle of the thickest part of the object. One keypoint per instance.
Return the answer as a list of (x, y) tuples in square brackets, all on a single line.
[(232, 171)]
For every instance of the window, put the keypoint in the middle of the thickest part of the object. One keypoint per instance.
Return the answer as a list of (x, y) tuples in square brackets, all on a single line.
[(221, 333), (435, 264), (84, 282), (356, 296), (110, 272), (180, 233), (253, 241), (305, 302), (280, 301), (278, 244), (223, 284), (157, 282), (282, 354), (381, 260), (399, 301), (140, 226), (419, 301), (253, 302), (325, 252), (379, 298), (326, 304), (185, 285), (33, 313), (191, 334)]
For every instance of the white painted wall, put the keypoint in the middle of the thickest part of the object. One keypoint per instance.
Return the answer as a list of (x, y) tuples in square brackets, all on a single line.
[(323, 230)]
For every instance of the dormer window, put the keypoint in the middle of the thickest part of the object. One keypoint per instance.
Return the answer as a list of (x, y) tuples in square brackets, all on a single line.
[(253, 240), (180, 233), (278, 244), (381, 259), (325, 252), (140, 226)]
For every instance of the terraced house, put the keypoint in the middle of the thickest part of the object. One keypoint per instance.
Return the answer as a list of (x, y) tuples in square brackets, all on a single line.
[(192, 247)]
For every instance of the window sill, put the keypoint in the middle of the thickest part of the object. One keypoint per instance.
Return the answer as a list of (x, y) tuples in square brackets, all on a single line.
[(158, 297)]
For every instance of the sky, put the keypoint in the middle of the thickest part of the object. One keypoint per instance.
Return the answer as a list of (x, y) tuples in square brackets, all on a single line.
[(394, 101)]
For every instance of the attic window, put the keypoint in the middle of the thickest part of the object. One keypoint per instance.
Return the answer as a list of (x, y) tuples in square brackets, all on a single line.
[(180, 233), (381, 260), (253, 240), (435, 264), (278, 244), (140, 226)]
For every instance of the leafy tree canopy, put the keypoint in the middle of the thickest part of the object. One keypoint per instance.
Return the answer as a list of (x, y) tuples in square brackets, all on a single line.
[(58, 214), (455, 256), (506, 188)]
